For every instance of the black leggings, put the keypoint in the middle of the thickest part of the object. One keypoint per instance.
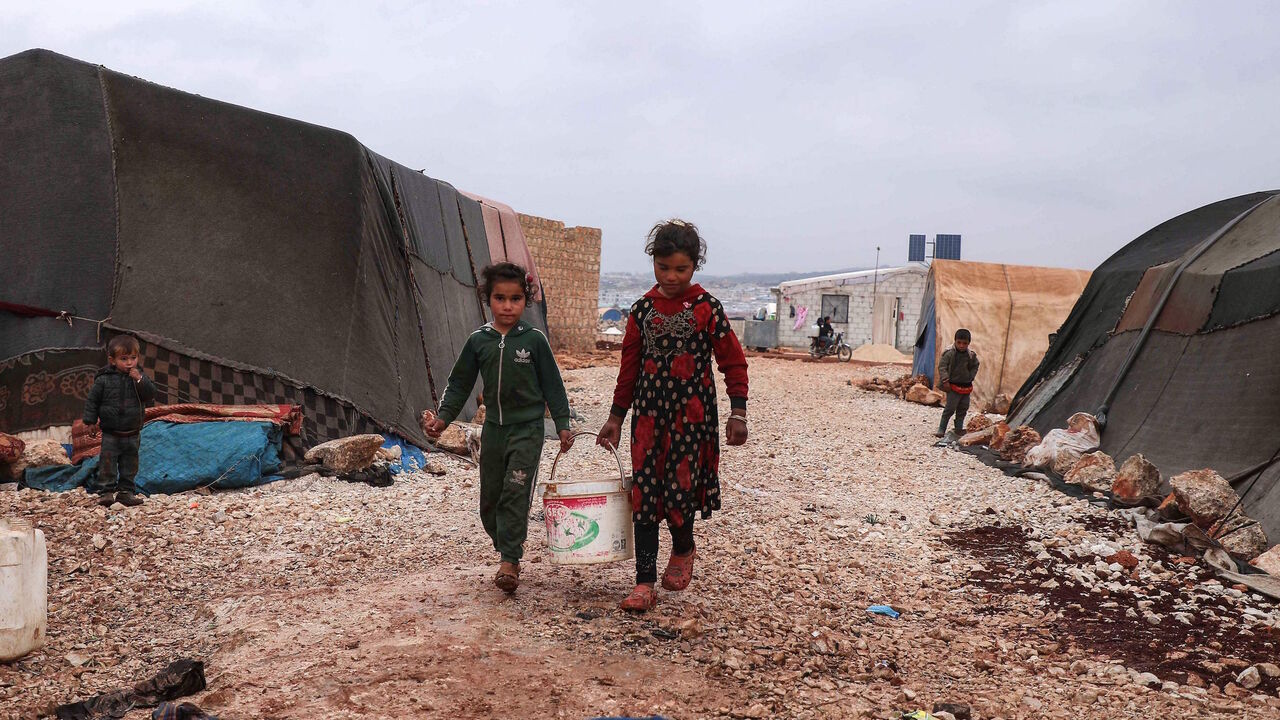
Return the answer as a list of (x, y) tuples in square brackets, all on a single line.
[(647, 548)]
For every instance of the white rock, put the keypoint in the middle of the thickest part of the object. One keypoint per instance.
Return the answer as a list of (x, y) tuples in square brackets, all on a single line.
[(1146, 679), (1249, 678)]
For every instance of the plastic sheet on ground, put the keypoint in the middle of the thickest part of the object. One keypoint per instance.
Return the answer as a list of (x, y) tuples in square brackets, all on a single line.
[(412, 459), (179, 457), (1186, 535), (1060, 449)]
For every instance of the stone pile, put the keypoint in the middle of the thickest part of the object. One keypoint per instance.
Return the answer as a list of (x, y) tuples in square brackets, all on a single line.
[(897, 387)]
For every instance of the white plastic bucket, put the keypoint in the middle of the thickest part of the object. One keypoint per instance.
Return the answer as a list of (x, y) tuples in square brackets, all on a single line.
[(588, 522), (24, 576)]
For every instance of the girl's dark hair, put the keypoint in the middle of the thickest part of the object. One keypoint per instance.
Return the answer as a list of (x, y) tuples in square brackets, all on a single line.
[(504, 272), (675, 235)]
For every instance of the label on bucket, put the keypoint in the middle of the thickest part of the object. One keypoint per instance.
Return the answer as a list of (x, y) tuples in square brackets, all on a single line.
[(590, 528)]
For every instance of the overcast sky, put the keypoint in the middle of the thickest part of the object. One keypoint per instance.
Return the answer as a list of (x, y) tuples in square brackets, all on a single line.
[(797, 136)]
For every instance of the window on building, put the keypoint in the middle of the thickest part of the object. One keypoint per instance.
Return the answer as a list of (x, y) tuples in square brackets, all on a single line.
[(836, 307)]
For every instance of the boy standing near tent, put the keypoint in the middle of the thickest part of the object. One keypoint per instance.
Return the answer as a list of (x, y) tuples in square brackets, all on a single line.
[(116, 402), (956, 373)]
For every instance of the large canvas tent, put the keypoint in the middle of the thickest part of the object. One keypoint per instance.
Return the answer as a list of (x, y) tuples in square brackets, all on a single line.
[(1174, 342), (1010, 309), (259, 258)]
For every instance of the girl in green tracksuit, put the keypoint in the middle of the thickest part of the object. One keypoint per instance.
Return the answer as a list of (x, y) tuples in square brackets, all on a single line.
[(521, 381)]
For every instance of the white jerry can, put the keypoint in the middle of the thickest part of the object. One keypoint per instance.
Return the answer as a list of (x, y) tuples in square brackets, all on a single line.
[(24, 579)]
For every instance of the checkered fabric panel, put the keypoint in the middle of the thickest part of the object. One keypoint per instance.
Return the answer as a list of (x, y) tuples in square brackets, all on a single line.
[(180, 378)]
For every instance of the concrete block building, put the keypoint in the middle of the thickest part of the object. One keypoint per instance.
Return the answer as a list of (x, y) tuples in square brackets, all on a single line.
[(568, 261), (880, 306)]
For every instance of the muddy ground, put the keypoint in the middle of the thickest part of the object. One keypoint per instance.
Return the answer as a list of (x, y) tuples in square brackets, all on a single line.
[(316, 598)]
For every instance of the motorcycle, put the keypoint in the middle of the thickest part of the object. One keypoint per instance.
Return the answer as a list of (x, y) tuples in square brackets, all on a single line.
[(837, 346)]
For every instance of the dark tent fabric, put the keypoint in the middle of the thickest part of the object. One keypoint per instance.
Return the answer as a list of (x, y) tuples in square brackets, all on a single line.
[(1198, 390), (259, 258)]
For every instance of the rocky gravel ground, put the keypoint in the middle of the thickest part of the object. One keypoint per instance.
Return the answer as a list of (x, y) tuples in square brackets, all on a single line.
[(317, 598)]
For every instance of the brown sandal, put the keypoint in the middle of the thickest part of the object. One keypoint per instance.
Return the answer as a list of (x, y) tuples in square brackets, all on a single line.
[(642, 599), (679, 571), (508, 577)]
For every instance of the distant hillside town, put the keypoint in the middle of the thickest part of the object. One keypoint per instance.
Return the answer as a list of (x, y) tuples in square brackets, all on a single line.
[(742, 295)]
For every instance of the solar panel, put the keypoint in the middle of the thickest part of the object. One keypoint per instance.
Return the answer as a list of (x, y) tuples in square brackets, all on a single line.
[(915, 248), (946, 247)]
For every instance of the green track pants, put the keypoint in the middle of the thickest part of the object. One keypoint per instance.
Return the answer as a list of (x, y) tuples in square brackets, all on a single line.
[(509, 457)]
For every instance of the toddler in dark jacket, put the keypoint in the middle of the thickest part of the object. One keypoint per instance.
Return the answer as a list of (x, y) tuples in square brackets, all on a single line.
[(116, 402)]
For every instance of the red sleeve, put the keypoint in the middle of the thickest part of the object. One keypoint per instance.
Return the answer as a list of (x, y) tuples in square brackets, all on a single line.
[(629, 369), (729, 356)]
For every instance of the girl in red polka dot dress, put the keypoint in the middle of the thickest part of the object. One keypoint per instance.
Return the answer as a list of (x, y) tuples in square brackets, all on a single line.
[(665, 380)]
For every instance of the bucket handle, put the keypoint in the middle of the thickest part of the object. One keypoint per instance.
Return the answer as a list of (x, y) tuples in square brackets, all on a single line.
[(622, 475)]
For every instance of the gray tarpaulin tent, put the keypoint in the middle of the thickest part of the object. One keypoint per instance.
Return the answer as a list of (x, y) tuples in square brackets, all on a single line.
[(1176, 339), (260, 259)]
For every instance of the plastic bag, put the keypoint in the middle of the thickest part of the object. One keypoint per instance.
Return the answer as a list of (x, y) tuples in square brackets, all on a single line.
[(1061, 449)]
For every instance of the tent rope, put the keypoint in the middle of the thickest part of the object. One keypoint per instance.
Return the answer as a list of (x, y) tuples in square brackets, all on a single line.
[(1256, 471), (67, 316)]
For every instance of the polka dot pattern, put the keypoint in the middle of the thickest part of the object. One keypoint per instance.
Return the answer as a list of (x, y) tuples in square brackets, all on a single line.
[(675, 439)]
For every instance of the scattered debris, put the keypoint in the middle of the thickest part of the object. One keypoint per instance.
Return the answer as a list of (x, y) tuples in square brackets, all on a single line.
[(392, 588), (179, 679), (883, 610), (898, 388)]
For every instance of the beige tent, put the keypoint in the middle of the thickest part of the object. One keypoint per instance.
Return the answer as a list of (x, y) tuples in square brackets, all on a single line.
[(1010, 309)]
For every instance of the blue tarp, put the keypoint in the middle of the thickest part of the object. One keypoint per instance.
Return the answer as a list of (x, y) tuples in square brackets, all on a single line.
[(927, 344), (412, 459), (176, 457)]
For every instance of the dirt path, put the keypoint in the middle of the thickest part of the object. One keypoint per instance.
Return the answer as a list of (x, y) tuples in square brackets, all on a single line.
[(320, 599)]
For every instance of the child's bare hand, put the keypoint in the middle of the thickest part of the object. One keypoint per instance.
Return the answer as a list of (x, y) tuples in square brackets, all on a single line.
[(566, 441), (135, 373), (432, 425), (735, 431), (610, 434)]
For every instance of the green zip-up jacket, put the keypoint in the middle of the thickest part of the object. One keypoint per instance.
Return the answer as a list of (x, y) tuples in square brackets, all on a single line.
[(521, 379)]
